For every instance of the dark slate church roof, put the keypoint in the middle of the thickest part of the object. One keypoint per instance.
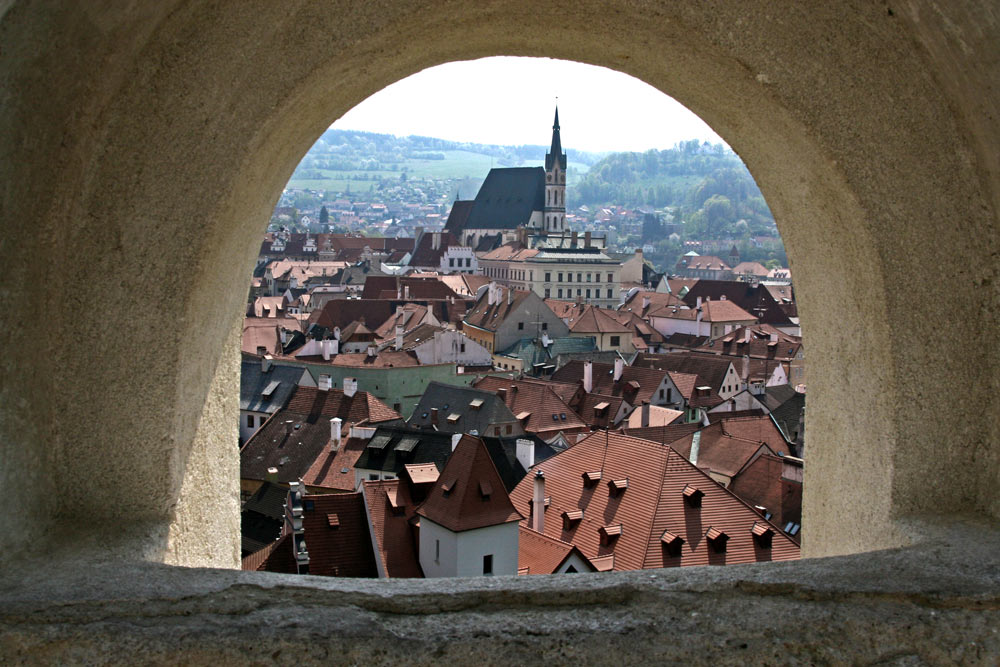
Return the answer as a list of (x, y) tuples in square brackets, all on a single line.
[(507, 198), (458, 215), (555, 151)]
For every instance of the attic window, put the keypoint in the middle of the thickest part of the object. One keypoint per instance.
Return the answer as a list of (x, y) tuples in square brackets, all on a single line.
[(448, 487), (269, 389), (591, 478), (762, 534), (407, 444), (672, 543), (616, 487), (379, 442), (562, 415), (476, 403), (333, 520), (454, 417), (555, 417), (570, 519), (692, 496), (717, 540), (610, 533), (485, 489)]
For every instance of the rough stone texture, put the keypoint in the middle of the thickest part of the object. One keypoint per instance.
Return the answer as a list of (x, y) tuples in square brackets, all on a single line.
[(144, 145), (936, 603)]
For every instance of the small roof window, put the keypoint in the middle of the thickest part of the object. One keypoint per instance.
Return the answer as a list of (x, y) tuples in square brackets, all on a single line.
[(716, 540), (693, 496)]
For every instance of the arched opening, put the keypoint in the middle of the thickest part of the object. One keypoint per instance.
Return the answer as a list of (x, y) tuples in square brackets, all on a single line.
[(195, 98)]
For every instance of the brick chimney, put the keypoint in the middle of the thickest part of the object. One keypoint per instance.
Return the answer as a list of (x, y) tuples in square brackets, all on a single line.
[(586, 239)]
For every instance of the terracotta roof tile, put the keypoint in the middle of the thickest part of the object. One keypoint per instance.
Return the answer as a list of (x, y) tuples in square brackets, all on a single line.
[(537, 399), (538, 553), (456, 503), (652, 505), (393, 531)]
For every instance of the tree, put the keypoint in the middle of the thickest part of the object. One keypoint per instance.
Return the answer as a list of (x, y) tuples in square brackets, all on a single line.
[(324, 216)]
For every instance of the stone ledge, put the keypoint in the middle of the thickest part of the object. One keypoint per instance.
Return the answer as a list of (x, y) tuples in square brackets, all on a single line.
[(936, 602)]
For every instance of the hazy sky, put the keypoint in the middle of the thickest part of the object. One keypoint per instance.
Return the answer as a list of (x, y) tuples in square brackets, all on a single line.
[(510, 101)]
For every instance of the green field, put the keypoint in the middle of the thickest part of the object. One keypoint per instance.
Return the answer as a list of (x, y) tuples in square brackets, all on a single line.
[(456, 165)]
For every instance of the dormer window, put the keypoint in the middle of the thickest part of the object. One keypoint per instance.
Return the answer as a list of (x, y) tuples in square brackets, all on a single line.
[(610, 533), (333, 520), (448, 487), (717, 540), (693, 496), (762, 534), (671, 543), (590, 479), (571, 518), (616, 487), (485, 489)]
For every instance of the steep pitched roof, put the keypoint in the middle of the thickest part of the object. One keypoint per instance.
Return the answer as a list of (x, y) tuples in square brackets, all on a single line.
[(534, 404), (507, 198), (753, 299), (538, 553), (390, 509), (293, 438), (636, 520), (469, 493), (458, 215), (338, 547), (586, 318), (711, 311), (460, 409), (335, 469), (425, 254), (266, 391), (722, 452), (648, 380), (487, 317), (761, 484), (709, 369)]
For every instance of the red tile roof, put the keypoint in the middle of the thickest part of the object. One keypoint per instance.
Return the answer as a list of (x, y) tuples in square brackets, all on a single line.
[(652, 504), (648, 379), (539, 400), (761, 484), (538, 553), (340, 548), (390, 511), (333, 403), (335, 470), (457, 501), (723, 453), (585, 318), (711, 311), (485, 316)]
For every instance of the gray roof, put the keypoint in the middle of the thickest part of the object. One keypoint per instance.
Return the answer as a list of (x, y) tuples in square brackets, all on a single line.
[(254, 383), (507, 198), (454, 400), (405, 446), (531, 352)]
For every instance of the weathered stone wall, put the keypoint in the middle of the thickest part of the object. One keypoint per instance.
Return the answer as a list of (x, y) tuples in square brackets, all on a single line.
[(143, 149)]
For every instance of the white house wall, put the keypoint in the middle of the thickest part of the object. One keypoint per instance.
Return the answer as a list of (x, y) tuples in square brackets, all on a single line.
[(445, 347)]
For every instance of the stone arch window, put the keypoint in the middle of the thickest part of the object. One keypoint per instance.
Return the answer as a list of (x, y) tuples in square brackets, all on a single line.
[(861, 185)]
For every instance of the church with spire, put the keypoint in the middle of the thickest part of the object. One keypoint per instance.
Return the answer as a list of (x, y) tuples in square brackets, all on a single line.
[(518, 204)]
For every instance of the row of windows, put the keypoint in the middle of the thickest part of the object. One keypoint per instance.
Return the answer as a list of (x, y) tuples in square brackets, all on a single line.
[(579, 292), (555, 199), (468, 262), (579, 277)]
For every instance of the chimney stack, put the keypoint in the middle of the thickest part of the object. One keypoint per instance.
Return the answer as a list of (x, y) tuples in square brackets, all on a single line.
[(619, 368), (325, 382), (335, 433), (372, 351), (538, 503), (406, 292), (644, 414), (645, 302), (324, 348), (491, 293), (746, 369), (288, 427), (697, 302), (350, 387), (434, 416), (525, 453), (454, 440), (588, 376), (502, 393), (586, 239), (266, 362), (399, 337), (510, 295)]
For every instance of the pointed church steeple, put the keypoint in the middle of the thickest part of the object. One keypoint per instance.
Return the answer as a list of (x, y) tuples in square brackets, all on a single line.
[(555, 151)]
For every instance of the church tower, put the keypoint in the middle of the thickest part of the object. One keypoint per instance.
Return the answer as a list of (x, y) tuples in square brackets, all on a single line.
[(555, 184)]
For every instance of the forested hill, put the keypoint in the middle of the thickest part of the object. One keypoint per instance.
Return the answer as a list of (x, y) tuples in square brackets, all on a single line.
[(708, 185)]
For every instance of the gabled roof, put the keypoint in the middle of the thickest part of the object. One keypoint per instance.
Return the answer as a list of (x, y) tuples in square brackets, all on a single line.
[(458, 410), (648, 380), (335, 469), (586, 318), (538, 553), (426, 255), (728, 446), (507, 198), (393, 533), (487, 317), (755, 341), (293, 438), (710, 370), (711, 311), (657, 300), (761, 484), (261, 518), (653, 504), (469, 494), (340, 550), (756, 300), (393, 288), (547, 413)]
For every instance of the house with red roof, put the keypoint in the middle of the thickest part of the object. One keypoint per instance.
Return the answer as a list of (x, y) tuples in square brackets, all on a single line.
[(468, 525), (630, 504), (706, 318)]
